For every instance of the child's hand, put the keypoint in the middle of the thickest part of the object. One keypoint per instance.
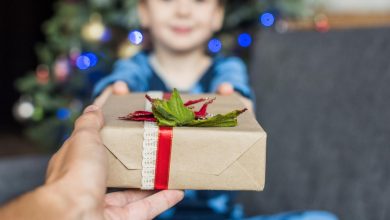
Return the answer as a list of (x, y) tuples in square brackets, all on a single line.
[(227, 89), (118, 88)]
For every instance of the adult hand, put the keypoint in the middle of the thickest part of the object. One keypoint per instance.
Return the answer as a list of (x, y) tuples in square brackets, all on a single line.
[(76, 184)]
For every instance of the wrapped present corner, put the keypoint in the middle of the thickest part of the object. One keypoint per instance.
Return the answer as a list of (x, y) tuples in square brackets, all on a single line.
[(145, 156)]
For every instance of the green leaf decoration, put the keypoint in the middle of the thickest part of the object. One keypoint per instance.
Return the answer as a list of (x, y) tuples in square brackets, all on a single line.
[(227, 120), (172, 112)]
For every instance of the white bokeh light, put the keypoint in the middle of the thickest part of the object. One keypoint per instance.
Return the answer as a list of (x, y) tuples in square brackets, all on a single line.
[(25, 110)]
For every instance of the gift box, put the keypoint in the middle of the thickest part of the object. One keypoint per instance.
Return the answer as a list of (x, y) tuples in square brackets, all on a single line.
[(145, 156)]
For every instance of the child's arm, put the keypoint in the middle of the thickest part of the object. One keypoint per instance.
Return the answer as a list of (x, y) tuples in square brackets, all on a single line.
[(231, 75), (126, 76)]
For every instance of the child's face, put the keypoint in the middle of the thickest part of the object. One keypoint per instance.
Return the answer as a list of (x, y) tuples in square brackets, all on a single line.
[(181, 25)]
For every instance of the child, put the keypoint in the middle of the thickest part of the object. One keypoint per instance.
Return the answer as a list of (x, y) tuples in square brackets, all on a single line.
[(180, 30)]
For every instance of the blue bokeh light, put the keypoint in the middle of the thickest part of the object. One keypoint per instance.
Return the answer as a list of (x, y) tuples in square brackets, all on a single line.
[(63, 114), (83, 62), (135, 37), (92, 58), (244, 40), (215, 45), (106, 35), (267, 19), (86, 60)]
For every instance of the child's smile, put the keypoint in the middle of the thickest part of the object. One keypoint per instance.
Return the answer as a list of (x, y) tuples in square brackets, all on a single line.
[(181, 30)]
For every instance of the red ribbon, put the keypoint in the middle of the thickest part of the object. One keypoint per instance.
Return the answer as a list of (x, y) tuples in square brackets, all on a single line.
[(163, 157)]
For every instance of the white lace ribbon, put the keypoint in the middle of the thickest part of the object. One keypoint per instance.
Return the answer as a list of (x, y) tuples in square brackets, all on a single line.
[(149, 147)]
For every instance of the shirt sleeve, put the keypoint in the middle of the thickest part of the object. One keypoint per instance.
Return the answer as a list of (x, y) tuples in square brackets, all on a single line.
[(124, 70), (233, 70)]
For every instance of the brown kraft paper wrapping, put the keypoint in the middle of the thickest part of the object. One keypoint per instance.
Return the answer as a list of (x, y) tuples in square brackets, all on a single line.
[(211, 158)]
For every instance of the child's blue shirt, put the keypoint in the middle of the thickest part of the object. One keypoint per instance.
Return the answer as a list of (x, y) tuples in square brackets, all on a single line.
[(141, 77)]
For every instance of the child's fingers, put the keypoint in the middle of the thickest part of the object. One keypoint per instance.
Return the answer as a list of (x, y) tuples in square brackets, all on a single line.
[(120, 88), (225, 89)]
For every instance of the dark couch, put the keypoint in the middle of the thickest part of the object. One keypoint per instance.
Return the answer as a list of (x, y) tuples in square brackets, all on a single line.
[(324, 100), (21, 174)]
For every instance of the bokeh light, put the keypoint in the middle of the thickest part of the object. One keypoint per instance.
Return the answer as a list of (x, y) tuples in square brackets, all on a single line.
[(215, 45), (92, 58), (267, 19), (135, 37), (321, 23), (83, 62), (94, 29), (63, 114), (25, 110), (42, 74), (244, 40), (106, 35), (61, 69), (86, 60)]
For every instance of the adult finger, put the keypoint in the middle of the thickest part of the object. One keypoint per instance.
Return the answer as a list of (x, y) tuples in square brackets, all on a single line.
[(85, 145), (102, 98), (125, 197), (85, 157), (91, 120), (54, 162), (154, 205)]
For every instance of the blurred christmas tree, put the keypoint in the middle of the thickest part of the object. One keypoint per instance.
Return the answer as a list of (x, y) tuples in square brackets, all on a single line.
[(85, 37)]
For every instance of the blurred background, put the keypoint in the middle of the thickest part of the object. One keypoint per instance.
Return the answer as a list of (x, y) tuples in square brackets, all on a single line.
[(320, 70)]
